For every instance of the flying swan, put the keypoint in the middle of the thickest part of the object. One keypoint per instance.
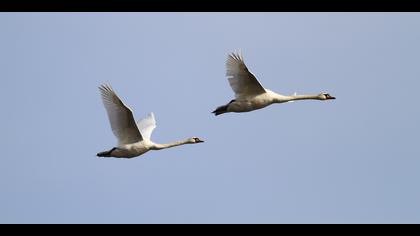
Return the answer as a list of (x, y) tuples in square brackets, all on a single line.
[(249, 93), (133, 138)]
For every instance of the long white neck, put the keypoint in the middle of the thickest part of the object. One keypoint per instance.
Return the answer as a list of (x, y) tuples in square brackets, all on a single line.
[(158, 146), (278, 98), (303, 97)]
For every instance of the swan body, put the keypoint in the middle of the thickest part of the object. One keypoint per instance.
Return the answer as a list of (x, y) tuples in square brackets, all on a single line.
[(249, 93), (133, 138)]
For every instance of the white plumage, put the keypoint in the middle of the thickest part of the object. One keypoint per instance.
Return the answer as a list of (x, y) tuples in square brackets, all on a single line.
[(133, 138), (120, 116), (147, 125), (242, 81), (249, 93)]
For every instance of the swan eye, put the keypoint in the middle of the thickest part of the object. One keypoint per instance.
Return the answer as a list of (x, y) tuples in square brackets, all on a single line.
[(197, 140)]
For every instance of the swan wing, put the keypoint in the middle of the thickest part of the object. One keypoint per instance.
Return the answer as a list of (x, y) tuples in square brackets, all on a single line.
[(242, 81), (147, 125), (120, 117)]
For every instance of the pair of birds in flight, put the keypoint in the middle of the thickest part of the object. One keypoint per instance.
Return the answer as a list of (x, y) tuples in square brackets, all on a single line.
[(134, 137)]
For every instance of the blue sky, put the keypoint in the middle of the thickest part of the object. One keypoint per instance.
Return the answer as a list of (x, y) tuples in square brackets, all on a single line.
[(351, 160)]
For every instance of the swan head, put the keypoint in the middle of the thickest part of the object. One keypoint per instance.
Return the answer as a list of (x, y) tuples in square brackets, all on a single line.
[(325, 96), (195, 140)]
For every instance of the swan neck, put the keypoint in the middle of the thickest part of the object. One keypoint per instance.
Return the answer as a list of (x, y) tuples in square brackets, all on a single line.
[(158, 146), (303, 97)]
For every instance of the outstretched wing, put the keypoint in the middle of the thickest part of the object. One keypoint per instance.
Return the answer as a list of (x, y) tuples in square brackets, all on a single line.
[(120, 117), (147, 125), (242, 81)]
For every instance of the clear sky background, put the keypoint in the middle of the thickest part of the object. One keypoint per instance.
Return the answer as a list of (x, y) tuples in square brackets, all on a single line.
[(355, 159)]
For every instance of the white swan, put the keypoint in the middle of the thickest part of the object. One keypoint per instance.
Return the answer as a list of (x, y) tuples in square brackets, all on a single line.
[(133, 139), (249, 93)]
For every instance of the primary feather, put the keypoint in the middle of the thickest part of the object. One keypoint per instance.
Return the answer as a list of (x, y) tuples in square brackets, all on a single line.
[(242, 81), (147, 125), (120, 117)]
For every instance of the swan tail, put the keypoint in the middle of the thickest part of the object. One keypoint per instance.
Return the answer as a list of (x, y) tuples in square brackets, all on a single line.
[(222, 109), (105, 153)]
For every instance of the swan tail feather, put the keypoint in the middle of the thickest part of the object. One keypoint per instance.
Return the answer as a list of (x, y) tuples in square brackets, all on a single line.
[(105, 153), (222, 109)]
